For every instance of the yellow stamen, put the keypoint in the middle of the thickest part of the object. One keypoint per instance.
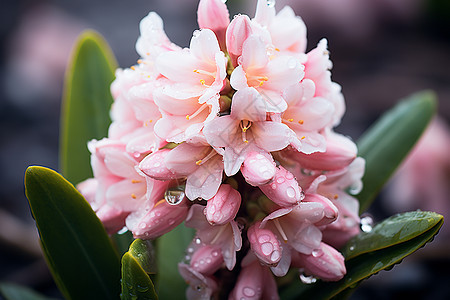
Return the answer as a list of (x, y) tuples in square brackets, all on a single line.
[(276, 49), (301, 122), (290, 120), (198, 162), (303, 137), (133, 196), (139, 61), (133, 68), (159, 202), (135, 181), (335, 196)]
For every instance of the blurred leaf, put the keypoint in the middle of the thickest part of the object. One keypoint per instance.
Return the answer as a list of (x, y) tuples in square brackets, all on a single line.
[(136, 263), (385, 145), (76, 246), (86, 104), (11, 291), (171, 249), (404, 237)]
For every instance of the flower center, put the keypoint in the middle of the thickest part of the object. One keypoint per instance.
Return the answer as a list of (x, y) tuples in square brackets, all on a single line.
[(245, 125)]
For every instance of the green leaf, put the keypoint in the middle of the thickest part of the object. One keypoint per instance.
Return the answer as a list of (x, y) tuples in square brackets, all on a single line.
[(404, 233), (389, 140), (171, 249), (11, 291), (394, 230), (136, 263), (86, 104), (76, 246)]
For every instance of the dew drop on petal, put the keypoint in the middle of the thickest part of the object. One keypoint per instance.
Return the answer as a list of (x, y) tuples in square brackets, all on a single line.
[(174, 196), (290, 192), (267, 248), (249, 292), (215, 253), (123, 230), (271, 3), (280, 179), (198, 241), (317, 252)]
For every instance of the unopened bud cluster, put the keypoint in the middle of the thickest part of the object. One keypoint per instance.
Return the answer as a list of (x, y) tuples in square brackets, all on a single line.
[(234, 137)]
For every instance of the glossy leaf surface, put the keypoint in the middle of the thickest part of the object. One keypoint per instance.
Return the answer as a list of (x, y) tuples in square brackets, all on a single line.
[(375, 255), (86, 104), (76, 246), (387, 143), (136, 264)]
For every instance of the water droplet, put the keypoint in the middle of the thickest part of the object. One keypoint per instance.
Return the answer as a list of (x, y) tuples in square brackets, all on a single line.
[(280, 179), (249, 292), (198, 241), (208, 260), (366, 223), (142, 289), (307, 279), (171, 221), (190, 250), (289, 176), (273, 186), (302, 195), (290, 192), (271, 3), (123, 230), (352, 248), (174, 196), (267, 248), (142, 225), (317, 252), (215, 253), (354, 189)]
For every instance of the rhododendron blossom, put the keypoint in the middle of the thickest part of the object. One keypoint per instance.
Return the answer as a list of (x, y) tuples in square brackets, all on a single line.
[(233, 135)]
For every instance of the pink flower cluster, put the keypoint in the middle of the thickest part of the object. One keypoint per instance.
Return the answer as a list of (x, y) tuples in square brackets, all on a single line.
[(234, 136)]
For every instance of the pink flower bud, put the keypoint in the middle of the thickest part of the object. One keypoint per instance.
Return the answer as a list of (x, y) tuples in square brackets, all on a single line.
[(254, 282), (284, 189), (161, 219), (153, 165), (214, 15), (329, 209), (264, 244), (223, 207), (340, 152), (238, 31), (258, 169), (325, 263), (113, 219), (207, 260)]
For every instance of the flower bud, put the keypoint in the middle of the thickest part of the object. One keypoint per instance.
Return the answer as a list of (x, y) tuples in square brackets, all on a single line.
[(329, 209), (161, 219), (214, 15), (223, 207), (254, 282), (341, 151), (153, 165), (325, 263), (258, 169), (207, 260), (283, 189), (238, 31), (264, 244)]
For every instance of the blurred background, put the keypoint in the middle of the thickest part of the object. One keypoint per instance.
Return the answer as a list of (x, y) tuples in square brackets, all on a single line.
[(382, 51)]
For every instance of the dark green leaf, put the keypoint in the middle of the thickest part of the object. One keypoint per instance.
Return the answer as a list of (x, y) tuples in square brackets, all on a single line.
[(11, 291), (76, 246), (86, 104), (394, 230), (136, 264), (404, 239), (389, 140), (171, 249)]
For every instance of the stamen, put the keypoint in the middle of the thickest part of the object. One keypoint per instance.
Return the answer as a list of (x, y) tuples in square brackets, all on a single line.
[(135, 181), (244, 129), (218, 234), (133, 68), (290, 120), (303, 137), (300, 122), (133, 196), (280, 230), (159, 202), (203, 72), (335, 196), (210, 154), (188, 117)]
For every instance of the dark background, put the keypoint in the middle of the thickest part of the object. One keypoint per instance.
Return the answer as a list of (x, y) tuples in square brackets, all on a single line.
[(382, 50)]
